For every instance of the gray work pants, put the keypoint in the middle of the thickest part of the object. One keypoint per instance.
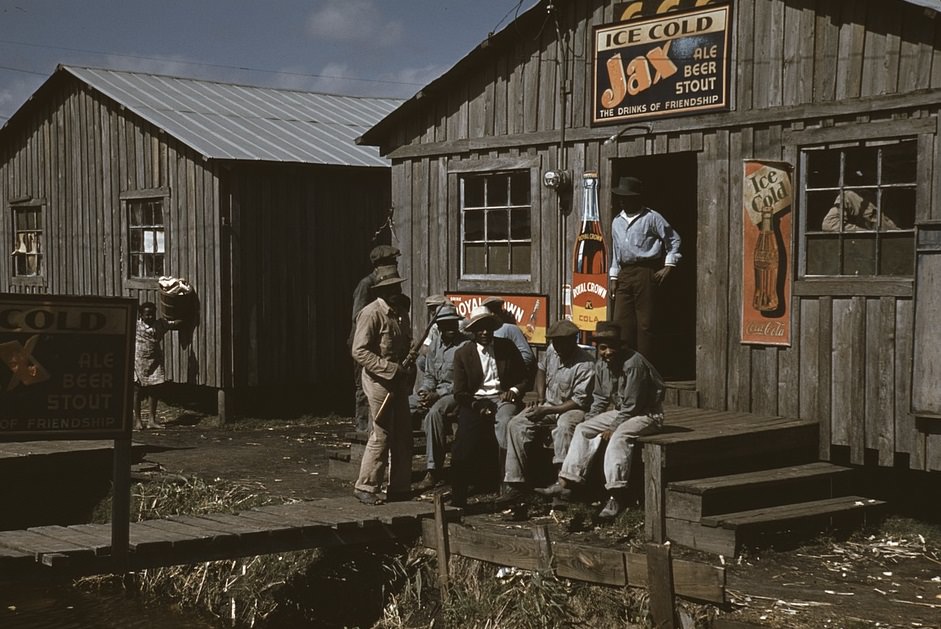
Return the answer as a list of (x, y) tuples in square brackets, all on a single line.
[(392, 433), (437, 425), (521, 432), (617, 458)]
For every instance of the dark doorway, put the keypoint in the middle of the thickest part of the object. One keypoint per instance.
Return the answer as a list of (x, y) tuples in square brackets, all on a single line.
[(670, 185)]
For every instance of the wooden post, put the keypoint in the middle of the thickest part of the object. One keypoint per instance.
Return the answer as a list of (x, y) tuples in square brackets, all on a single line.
[(654, 517), (660, 585), (220, 407), (441, 542), (543, 548), (121, 505)]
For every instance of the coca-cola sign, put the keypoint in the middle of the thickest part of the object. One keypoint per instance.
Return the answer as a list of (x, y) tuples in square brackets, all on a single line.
[(662, 66), (767, 197)]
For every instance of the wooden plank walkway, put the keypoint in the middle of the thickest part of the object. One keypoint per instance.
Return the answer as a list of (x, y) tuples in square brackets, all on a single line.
[(86, 548), (19, 449)]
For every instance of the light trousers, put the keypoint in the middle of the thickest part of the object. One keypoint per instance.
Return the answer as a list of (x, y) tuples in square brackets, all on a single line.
[(521, 432)]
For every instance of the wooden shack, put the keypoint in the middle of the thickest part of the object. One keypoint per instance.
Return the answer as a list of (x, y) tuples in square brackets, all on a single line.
[(259, 197), (839, 96)]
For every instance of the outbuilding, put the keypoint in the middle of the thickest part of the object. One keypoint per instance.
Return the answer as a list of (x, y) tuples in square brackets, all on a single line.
[(259, 197), (796, 137)]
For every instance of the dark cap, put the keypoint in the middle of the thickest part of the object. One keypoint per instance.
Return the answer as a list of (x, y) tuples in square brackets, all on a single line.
[(386, 275), (561, 329), (383, 252), (607, 332), (628, 187)]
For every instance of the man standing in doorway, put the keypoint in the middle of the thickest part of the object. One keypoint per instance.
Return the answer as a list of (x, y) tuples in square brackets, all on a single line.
[(644, 251)]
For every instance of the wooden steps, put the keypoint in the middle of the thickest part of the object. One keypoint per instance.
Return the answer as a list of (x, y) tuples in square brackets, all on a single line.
[(718, 514)]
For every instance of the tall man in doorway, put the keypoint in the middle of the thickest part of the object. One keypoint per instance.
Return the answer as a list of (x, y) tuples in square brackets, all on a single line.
[(380, 256), (381, 343), (644, 251)]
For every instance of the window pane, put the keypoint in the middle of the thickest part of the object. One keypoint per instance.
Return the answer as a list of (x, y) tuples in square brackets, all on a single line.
[(520, 225), (475, 262), (137, 240), (497, 228), (519, 188), (823, 255), (860, 166), (823, 169), (859, 255), (497, 190), (473, 225), (150, 244), (158, 265), (158, 213), (899, 162), (520, 259), (897, 254), (473, 192), (137, 266), (499, 258), (819, 216), (137, 214), (898, 208), (159, 246)]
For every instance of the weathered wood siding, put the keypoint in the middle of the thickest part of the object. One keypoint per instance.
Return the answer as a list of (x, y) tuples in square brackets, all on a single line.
[(78, 153), (803, 72), (300, 240)]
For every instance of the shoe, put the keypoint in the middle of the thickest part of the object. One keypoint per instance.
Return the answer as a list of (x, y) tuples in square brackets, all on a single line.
[(611, 510), (369, 498), (555, 490), (510, 497), (430, 481)]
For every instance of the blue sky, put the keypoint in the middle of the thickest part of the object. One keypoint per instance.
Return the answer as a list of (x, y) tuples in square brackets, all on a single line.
[(359, 47)]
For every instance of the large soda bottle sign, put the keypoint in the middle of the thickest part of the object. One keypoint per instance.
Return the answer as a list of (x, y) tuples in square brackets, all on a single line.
[(590, 271)]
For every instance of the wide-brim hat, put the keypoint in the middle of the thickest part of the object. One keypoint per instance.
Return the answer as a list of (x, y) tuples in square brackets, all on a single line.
[(387, 275), (447, 312), (493, 303), (436, 300), (561, 329), (383, 252), (481, 318), (628, 187), (607, 332)]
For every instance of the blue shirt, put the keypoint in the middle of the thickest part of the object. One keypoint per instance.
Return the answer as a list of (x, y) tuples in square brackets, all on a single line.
[(646, 237), (513, 333)]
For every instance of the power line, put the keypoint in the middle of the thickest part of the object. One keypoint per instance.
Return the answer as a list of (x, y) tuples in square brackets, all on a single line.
[(24, 71), (195, 63)]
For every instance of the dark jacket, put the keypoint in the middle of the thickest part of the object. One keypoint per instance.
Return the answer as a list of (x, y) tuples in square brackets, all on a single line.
[(468, 376)]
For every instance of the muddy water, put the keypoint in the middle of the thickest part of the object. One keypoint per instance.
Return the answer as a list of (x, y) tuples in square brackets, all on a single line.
[(48, 606)]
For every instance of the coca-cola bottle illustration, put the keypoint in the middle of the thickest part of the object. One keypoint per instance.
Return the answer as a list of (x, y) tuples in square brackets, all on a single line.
[(590, 262), (766, 265)]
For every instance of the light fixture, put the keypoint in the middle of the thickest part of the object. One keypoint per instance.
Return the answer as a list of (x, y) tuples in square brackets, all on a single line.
[(557, 180)]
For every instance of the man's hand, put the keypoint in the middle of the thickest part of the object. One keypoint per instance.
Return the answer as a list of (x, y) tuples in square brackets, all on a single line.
[(508, 396), (535, 411), (427, 398), (606, 435), (661, 275)]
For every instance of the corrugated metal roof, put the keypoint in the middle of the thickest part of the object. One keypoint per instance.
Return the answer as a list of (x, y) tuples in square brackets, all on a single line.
[(226, 121), (930, 4)]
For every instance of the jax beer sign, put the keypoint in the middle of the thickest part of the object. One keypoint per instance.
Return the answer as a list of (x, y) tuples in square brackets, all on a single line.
[(662, 66), (65, 366)]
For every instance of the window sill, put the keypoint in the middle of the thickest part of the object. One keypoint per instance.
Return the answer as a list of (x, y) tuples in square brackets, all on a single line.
[(139, 282), (513, 284), (851, 286)]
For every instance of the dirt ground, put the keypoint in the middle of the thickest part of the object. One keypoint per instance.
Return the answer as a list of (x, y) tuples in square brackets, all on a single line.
[(890, 577)]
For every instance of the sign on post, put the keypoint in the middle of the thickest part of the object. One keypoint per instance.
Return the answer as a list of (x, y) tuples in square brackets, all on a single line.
[(65, 367)]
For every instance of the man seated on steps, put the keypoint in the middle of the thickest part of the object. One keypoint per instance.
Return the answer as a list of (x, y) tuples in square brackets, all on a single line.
[(435, 394), (564, 384), (490, 379), (637, 397)]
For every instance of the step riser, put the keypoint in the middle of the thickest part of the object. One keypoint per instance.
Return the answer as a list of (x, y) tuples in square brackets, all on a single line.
[(686, 506)]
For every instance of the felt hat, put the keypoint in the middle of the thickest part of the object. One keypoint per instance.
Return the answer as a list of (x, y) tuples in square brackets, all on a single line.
[(561, 329), (436, 300), (493, 303), (607, 332), (387, 275), (447, 312), (628, 187), (482, 318), (383, 252)]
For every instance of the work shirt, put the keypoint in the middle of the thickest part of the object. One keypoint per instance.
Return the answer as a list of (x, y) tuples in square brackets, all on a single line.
[(641, 389), (572, 379), (513, 333), (488, 364), (607, 391), (438, 373), (646, 237), (382, 339)]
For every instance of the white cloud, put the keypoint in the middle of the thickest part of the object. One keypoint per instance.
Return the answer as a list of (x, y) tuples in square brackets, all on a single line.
[(356, 21)]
